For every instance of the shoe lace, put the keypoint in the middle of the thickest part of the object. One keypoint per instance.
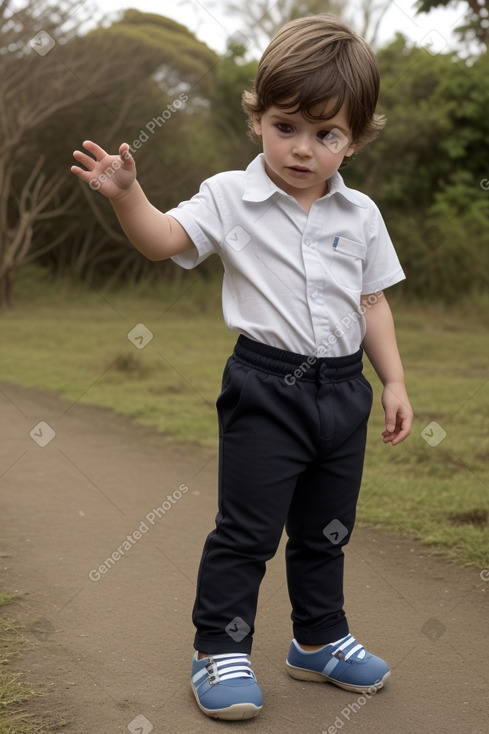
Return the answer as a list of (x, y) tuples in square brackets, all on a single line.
[(228, 665), (355, 649)]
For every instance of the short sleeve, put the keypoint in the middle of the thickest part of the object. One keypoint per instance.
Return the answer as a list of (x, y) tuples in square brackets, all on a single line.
[(201, 219), (382, 268)]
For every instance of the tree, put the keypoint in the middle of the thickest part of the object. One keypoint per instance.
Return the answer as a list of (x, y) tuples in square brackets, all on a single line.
[(366, 17), (234, 75), (262, 19), (52, 82), (27, 197), (426, 170), (476, 26)]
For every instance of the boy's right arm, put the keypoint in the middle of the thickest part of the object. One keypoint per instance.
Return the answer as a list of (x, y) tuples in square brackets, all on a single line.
[(152, 232)]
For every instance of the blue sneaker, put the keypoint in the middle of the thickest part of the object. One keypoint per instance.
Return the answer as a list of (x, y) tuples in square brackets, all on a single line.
[(225, 686), (344, 663)]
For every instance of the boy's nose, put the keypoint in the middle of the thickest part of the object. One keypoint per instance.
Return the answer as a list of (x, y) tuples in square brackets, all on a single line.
[(302, 147)]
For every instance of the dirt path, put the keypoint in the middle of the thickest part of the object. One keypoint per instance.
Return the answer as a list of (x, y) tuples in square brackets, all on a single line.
[(111, 647)]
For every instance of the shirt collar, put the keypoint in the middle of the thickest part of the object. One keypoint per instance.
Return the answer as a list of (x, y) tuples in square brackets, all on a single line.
[(259, 187)]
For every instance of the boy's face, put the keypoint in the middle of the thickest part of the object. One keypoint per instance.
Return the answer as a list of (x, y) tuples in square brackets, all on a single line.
[(301, 155)]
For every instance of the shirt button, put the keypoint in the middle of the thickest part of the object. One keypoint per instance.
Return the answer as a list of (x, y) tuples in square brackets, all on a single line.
[(308, 241), (314, 295)]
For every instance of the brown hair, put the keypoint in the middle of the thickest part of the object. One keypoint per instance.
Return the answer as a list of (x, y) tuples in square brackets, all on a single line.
[(314, 61)]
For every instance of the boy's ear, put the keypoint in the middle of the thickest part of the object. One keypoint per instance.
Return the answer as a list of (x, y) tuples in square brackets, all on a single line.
[(256, 118), (350, 150)]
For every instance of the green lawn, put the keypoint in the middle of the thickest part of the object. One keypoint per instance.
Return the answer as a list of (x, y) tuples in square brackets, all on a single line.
[(76, 344)]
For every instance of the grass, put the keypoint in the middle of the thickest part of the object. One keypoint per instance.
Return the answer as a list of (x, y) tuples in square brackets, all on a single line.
[(13, 691), (75, 344)]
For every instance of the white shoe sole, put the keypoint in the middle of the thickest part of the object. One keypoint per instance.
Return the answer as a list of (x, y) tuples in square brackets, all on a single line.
[(236, 712), (312, 675)]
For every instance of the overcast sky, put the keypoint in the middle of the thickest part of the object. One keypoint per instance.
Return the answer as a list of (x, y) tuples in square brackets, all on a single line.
[(212, 26)]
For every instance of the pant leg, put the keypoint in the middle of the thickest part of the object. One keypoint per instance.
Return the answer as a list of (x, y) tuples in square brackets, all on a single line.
[(268, 435), (322, 513)]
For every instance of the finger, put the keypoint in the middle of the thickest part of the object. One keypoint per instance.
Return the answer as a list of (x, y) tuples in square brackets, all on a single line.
[(126, 157), (392, 428), (401, 432), (85, 176), (406, 426), (390, 420), (400, 437), (84, 159), (79, 172), (94, 149)]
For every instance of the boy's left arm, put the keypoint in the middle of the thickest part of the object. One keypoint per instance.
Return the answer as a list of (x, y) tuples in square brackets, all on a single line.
[(380, 345)]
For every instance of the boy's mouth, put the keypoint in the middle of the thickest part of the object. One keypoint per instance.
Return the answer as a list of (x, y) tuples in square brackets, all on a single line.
[(299, 171)]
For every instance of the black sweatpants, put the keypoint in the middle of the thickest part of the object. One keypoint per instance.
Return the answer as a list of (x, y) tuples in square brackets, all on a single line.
[(292, 444)]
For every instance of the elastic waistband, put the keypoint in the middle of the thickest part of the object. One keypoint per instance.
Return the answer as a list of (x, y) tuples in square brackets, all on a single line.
[(297, 366)]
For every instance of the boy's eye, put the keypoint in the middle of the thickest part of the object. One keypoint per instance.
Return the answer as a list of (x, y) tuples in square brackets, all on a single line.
[(334, 139), (283, 127), (327, 135)]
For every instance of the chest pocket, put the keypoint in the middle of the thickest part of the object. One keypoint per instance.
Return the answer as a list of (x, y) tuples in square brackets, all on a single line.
[(346, 263)]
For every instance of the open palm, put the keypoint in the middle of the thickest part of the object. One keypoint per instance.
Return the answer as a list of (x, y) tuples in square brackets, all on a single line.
[(112, 175)]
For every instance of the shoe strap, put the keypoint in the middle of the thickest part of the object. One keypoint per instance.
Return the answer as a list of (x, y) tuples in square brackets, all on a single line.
[(227, 666), (343, 653)]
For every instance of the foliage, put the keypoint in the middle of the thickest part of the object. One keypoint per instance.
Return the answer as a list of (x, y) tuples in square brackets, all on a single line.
[(262, 19), (426, 170), (476, 25), (83, 87), (146, 109), (234, 76)]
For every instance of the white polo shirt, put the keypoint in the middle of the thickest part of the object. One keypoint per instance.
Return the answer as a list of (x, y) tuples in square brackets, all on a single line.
[(292, 279)]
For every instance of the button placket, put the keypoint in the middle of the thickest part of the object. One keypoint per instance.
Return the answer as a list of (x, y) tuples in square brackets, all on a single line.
[(315, 287)]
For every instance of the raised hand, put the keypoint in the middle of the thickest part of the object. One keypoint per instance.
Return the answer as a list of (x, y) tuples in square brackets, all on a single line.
[(112, 175)]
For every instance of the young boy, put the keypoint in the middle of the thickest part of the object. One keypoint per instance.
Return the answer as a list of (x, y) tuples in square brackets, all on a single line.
[(306, 260)]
